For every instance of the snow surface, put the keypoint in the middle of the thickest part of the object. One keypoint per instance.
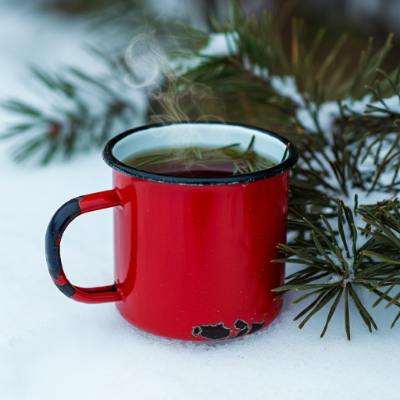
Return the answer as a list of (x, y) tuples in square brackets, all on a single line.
[(219, 45), (55, 348), (350, 263), (329, 110)]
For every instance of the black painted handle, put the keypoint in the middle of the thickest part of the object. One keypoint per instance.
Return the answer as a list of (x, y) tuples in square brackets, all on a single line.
[(57, 226)]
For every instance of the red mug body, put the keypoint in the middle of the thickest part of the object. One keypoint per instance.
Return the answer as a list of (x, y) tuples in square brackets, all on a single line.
[(192, 255)]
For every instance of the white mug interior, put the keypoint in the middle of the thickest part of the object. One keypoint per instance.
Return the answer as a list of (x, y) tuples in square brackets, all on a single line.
[(175, 136)]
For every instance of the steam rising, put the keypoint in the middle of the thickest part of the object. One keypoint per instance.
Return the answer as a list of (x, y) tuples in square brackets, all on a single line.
[(171, 93), (143, 57), (151, 70)]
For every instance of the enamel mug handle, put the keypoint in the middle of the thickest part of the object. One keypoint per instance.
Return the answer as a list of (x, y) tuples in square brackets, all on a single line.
[(61, 219)]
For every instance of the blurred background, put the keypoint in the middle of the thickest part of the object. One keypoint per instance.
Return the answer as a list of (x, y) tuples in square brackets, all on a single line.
[(361, 18), (365, 17), (117, 21), (54, 36)]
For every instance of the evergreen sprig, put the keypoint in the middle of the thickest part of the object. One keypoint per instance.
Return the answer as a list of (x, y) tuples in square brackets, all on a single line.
[(372, 265), (383, 224), (334, 265), (82, 112), (258, 54)]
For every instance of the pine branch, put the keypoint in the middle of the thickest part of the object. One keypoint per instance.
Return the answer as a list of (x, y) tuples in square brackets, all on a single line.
[(243, 84), (84, 113), (335, 253), (83, 110)]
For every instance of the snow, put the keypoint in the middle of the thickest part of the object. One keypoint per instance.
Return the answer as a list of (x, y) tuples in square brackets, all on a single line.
[(325, 116), (335, 278), (219, 45), (350, 262), (328, 111), (54, 348), (286, 86)]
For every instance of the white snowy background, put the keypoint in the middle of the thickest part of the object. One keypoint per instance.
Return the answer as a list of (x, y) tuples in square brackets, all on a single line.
[(55, 348)]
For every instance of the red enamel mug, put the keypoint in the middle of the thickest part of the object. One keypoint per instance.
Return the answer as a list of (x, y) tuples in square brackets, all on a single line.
[(192, 255)]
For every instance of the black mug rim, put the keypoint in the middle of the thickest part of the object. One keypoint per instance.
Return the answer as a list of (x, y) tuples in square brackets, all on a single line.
[(278, 169)]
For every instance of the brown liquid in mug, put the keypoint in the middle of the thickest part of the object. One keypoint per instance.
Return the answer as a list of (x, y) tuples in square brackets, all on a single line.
[(198, 162)]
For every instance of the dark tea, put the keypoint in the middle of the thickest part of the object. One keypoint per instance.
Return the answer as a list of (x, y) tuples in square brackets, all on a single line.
[(202, 162)]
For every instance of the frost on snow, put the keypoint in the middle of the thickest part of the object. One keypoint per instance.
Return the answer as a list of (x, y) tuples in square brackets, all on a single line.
[(337, 278), (328, 111), (286, 86), (219, 45)]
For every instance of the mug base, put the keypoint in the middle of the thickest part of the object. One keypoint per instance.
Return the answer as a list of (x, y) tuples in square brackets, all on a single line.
[(217, 333)]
